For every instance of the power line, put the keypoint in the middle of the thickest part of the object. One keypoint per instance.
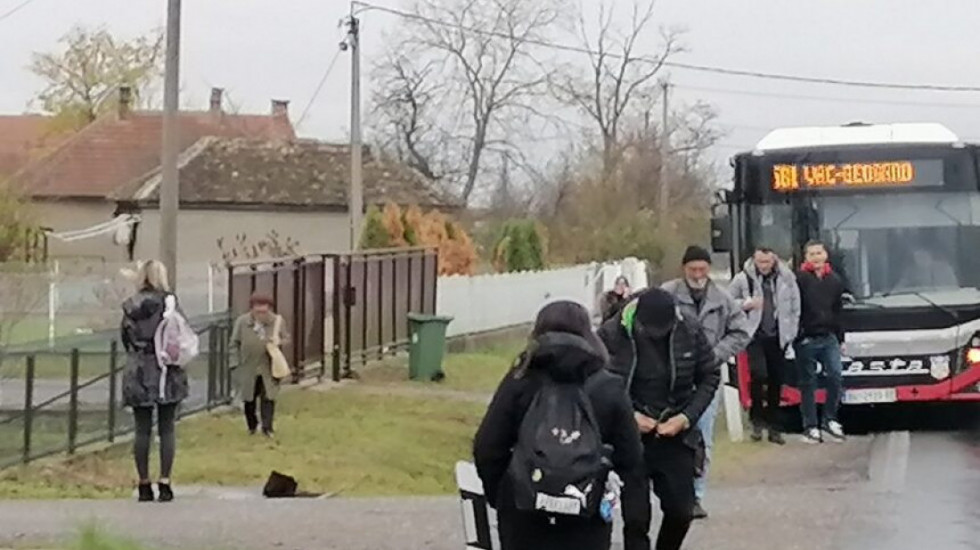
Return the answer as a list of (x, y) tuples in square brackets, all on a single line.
[(674, 64), (15, 9), (319, 88), (777, 95)]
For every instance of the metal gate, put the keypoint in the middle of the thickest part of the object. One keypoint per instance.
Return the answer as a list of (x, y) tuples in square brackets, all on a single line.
[(341, 309)]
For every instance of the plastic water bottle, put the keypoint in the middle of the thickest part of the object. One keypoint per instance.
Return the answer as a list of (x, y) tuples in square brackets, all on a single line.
[(610, 499), (607, 506)]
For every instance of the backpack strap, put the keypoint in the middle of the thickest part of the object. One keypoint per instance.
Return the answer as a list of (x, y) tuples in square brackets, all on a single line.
[(751, 284)]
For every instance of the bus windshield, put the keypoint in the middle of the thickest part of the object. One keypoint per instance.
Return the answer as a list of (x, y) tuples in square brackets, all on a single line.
[(884, 245)]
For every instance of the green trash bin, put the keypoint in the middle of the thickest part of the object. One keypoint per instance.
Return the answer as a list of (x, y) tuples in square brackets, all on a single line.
[(427, 345)]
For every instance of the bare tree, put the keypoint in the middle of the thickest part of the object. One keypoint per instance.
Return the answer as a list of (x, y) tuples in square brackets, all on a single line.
[(406, 109), (479, 57), (619, 79), (23, 290)]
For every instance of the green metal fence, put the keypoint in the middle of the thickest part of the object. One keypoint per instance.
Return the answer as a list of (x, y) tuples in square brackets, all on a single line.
[(57, 398)]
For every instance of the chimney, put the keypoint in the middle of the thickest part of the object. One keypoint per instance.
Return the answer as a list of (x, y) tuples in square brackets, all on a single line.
[(125, 101), (280, 108), (216, 100)]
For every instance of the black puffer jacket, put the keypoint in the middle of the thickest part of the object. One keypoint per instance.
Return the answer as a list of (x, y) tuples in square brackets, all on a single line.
[(563, 357), (142, 314), (695, 370)]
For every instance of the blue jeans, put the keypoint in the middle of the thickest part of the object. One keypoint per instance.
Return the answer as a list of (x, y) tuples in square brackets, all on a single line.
[(826, 351), (707, 426)]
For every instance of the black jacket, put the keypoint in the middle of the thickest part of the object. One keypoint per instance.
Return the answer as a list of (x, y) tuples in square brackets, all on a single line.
[(821, 301), (563, 357), (141, 380), (695, 370)]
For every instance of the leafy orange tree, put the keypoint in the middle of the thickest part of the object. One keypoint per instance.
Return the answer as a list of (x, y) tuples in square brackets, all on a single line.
[(393, 227)]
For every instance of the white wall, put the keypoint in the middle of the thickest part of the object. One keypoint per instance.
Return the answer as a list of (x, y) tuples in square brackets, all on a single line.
[(488, 302)]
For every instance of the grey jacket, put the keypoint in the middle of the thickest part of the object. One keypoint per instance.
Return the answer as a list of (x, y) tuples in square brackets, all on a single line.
[(722, 319), (787, 299), (142, 378)]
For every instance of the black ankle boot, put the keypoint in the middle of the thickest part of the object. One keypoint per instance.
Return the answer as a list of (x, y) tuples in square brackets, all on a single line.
[(166, 493), (146, 492)]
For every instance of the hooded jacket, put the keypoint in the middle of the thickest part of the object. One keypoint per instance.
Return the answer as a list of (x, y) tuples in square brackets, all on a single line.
[(563, 358), (786, 299), (695, 372), (142, 379), (722, 319)]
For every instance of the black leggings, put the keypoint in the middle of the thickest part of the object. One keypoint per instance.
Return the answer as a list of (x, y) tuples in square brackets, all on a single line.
[(267, 408), (166, 420)]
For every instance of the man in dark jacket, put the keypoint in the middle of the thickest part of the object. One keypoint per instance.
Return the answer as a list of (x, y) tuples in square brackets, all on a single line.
[(672, 374), (821, 339)]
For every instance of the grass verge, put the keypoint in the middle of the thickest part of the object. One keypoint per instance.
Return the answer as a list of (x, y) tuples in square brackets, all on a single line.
[(386, 442)]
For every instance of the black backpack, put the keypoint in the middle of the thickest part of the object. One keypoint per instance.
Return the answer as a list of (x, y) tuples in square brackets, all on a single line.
[(559, 464)]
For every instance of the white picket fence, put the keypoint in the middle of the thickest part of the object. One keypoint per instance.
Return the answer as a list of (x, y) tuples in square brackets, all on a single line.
[(487, 302)]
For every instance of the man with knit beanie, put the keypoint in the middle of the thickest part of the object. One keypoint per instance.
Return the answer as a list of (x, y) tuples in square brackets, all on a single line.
[(725, 326), (671, 375)]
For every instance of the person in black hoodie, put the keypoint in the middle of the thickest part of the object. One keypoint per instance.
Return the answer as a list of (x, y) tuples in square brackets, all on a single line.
[(821, 338), (672, 374), (564, 349)]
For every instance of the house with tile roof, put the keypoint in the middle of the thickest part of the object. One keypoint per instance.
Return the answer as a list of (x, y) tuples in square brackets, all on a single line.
[(23, 137), (239, 174)]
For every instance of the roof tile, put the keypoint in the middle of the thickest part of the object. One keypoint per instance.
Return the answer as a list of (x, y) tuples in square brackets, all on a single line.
[(112, 152)]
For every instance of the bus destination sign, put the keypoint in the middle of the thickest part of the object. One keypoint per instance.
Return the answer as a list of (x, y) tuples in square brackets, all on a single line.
[(900, 173)]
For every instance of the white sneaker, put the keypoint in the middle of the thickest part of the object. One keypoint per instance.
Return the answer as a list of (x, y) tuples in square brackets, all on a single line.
[(835, 430), (812, 436)]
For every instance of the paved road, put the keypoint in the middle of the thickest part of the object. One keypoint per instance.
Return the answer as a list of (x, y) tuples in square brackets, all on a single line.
[(931, 496), (792, 500), (895, 491)]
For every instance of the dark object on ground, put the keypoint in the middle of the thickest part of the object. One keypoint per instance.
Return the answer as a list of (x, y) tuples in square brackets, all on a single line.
[(756, 433), (283, 486), (776, 437)]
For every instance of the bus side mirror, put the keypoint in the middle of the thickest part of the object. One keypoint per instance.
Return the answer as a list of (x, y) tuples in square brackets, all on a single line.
[(721, 233)]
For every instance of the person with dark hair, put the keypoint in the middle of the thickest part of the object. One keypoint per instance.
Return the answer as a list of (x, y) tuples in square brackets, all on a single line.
[(562, 351), (146, 384), (767, 291), (250, 336), (672, 374), (726, 328), (821, 339), (615, 299)]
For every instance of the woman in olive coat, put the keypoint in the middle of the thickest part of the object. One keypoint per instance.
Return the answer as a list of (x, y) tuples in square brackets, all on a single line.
[(249, 337)]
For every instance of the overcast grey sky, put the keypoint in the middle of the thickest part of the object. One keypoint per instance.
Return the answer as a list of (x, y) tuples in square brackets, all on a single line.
[(259, 49)]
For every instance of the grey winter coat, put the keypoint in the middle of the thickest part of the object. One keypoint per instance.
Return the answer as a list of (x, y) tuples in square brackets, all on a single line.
[(141, 380), (787, 299), (722, 319)]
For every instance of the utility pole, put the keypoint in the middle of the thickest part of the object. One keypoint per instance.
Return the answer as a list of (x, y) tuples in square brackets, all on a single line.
[(664, 150), (169, 187), (355, 202)]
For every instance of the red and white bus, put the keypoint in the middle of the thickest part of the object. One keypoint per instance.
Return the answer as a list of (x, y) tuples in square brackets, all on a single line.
[(899, 207)]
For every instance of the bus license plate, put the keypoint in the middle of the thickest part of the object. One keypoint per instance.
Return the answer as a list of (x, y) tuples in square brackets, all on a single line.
[(877, 395)]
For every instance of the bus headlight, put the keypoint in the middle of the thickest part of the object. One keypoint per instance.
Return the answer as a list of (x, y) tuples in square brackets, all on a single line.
[(973, 356), (939, 366)]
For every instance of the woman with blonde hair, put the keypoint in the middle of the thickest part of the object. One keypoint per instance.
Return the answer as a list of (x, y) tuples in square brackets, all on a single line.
[(147, 385)]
